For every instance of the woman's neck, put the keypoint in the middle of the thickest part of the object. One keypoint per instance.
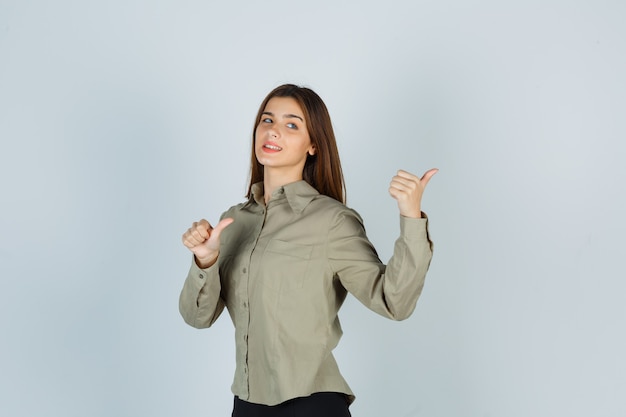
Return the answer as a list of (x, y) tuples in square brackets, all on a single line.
[(273, 180)]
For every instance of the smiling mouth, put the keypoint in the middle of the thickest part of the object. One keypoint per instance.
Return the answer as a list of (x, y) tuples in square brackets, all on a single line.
[(273, 147)]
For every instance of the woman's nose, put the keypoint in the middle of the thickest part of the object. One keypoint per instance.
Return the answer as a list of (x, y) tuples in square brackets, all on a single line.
[(273, 133)]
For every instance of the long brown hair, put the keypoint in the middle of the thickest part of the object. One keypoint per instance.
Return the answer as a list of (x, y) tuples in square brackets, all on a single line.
[(322, 170)]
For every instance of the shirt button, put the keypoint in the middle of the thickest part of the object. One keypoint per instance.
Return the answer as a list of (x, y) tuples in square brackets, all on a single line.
[(201, 276), (245, 305), (244, 270), (245, 337)]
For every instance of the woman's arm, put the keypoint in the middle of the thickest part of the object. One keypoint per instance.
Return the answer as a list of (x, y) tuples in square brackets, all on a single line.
[(200, 303), (391, 290)]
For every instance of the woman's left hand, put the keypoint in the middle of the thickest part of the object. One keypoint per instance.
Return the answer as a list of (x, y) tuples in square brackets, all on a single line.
[(408, 189)]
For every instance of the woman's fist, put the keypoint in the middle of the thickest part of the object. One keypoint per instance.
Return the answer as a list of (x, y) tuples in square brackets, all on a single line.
[(408, 189), (203, 241)]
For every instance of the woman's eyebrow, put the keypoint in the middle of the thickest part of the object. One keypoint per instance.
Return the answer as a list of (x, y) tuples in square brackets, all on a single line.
[(286, 116), (292, 116)]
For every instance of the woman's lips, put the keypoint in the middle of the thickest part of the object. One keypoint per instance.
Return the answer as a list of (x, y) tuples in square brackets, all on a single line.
[(271, 147)]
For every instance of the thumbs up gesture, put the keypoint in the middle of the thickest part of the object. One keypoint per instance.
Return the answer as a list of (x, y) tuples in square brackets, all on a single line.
[(408, 189), (203, 240)]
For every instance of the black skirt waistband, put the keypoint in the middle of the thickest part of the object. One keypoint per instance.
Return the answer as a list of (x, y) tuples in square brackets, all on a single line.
[(327, 404)]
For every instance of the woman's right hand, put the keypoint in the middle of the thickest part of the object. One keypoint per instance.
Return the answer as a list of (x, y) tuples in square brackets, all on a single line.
[(204, 241)]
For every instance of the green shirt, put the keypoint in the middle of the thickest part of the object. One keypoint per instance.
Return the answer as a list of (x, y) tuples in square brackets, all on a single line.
[(283, 273)]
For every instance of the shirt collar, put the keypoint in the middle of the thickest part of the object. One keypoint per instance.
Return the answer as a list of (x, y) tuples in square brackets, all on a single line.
[(298, 194)]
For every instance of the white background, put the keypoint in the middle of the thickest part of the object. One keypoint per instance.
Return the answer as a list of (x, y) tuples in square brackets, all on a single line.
[(121, 122)]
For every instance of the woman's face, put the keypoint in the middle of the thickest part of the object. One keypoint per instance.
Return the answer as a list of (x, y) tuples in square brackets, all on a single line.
[(281, 140)]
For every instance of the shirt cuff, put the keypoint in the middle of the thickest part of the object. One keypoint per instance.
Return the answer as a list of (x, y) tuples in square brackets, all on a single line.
[(414, 229), (200, 275)]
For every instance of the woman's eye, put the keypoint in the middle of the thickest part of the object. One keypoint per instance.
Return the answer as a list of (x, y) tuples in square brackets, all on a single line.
[(266, 120), (292, 126)]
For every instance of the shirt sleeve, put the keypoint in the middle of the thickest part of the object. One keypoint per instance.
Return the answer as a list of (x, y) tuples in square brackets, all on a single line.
[(200, 303), (390, 290)]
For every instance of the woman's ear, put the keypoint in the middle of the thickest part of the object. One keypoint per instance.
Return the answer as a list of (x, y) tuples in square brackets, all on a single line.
[(312, 150)]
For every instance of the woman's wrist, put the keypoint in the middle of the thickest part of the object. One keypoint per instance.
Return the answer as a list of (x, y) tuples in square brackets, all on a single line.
[(413, 214), (204, 263)]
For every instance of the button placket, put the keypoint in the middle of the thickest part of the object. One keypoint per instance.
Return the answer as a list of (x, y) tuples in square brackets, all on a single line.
[(245, 313)]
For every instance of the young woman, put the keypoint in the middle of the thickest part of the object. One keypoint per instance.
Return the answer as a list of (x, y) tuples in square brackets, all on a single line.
[(283, 262)]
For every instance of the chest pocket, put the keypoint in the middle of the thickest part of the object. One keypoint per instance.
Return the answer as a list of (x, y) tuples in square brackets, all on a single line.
[(285, 265)]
